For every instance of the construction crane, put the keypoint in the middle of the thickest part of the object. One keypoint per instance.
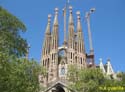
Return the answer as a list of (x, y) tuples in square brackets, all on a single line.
[(90, 57), (87, 16)]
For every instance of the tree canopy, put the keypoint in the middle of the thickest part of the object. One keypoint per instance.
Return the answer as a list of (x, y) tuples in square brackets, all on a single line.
[(93, 80), (11, 41), (17, 74)]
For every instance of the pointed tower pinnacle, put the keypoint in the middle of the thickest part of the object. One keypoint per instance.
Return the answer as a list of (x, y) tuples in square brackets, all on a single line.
[(46, 43), (54, 49), (80, 46), (109, 68), (79, 28), (54, 35), (56, 17), (71, 42), (102, 66), (48, 25), (70, 17)]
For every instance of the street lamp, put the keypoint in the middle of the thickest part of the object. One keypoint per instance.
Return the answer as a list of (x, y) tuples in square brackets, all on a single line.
[(87, 16)]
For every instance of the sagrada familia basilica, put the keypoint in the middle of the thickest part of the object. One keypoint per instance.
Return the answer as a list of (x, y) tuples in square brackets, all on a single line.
[(56, 59)]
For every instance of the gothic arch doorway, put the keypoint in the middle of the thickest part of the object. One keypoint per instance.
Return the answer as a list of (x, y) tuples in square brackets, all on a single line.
[(59, 89)]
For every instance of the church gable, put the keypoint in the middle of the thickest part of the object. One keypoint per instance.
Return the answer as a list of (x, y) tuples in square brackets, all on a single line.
[(59, 87)]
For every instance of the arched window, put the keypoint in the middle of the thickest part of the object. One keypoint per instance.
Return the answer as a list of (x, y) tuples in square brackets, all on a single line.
[(80, 47), (55, 43), (48, 63), (62, 71), (76, 59), (71, 55), (71, 61), (52, 56), (81, 60), (43, 62), (46, 52)]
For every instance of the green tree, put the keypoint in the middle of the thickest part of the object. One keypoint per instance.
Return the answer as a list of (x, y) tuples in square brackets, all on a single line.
[(85, 80), (123, 78), (92, 80), (112, 85), (11, 41), (19, 75)]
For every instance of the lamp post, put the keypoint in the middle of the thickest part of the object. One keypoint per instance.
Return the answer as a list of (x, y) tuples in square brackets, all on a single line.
[(87, 16)]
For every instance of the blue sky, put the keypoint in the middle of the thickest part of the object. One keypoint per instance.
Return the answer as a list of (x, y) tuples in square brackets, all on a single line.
[(107, 25)]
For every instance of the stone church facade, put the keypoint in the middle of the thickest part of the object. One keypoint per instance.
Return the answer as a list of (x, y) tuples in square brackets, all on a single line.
[(56, 58)]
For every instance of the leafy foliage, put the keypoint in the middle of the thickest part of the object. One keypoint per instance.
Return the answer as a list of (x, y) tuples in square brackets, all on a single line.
[(19, 75), (85, 80), (92, 80), (10, 40)]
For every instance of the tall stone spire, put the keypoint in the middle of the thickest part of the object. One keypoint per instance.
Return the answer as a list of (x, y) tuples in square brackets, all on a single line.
[(56, 17), (45, 58), (79, 27), (70, 16), (48, 25), (46, 44), (71, 30), (54, 50), (80, 41), (54, 41)]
